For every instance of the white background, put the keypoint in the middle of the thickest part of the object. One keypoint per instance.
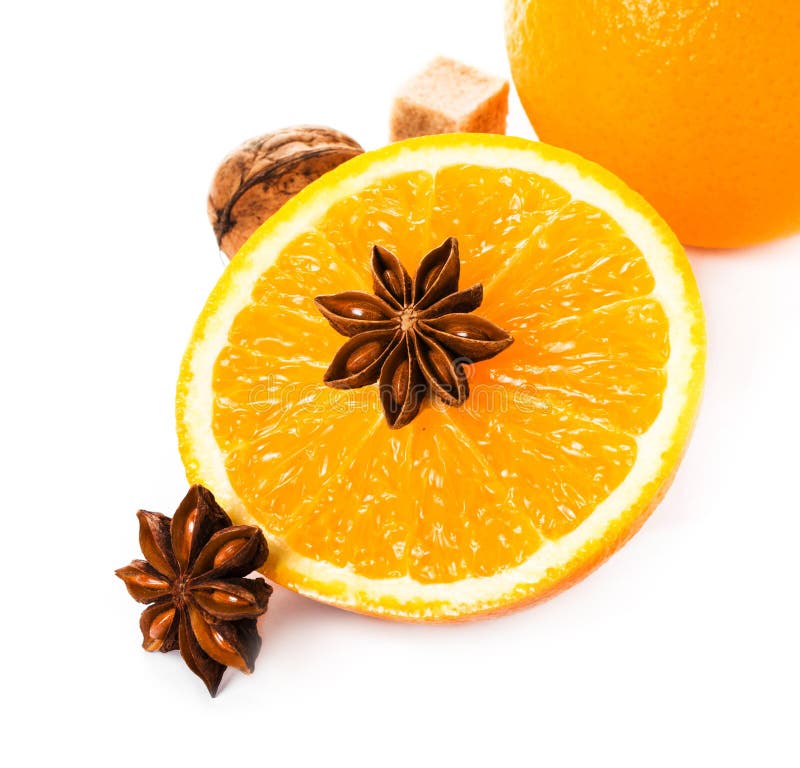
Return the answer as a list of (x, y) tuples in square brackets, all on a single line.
[(682, 650)]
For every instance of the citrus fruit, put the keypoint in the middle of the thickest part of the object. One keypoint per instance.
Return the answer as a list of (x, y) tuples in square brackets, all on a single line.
[(566, 441), (694, 104)]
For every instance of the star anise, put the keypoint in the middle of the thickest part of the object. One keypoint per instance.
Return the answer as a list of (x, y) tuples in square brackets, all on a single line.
[(412, 337), (193, 578)]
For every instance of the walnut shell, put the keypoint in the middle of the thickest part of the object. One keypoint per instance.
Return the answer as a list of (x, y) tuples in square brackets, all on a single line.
[(256, 179)]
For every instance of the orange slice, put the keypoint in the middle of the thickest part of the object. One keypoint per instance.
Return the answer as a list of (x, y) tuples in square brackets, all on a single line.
[(567, 441)]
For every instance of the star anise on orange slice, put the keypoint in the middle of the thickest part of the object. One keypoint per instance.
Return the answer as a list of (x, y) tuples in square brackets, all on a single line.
[(193, 578), (413, 337)]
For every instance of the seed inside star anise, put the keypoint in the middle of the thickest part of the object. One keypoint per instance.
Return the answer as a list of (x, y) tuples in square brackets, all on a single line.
[(193, 579), (413, 337)]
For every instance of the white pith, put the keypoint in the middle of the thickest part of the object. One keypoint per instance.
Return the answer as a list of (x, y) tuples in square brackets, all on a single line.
[(343, 586)]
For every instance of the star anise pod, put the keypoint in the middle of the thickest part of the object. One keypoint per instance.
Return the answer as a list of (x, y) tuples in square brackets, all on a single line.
[(193, 579), (413, 337)]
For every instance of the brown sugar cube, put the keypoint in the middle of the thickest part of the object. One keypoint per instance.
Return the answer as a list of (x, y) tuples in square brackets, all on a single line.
[(448, 97)]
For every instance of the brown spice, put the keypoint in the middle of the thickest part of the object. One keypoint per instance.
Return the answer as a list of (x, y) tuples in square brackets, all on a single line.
[(194, 581), (413, 336), (257, 178)]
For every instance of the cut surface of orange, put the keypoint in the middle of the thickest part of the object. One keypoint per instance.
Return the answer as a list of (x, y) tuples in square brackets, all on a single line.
[(567, 440)]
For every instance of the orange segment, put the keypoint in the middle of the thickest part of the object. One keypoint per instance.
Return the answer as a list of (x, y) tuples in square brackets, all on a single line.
[(567, 438), (307, 267), (493, 212), (607, 365), (467, 523), (559, 465), (588, 336), (341, 525), (580, 261), (293, 450), (404, 202), (427, 524)]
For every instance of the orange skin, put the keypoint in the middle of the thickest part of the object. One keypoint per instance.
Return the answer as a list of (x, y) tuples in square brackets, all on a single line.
[(694, 104)]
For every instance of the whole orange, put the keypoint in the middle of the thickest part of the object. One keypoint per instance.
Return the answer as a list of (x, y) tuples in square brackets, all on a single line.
[(695, 103)]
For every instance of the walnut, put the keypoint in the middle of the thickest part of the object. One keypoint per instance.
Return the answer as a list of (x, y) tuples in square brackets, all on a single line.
[(256, 179)]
